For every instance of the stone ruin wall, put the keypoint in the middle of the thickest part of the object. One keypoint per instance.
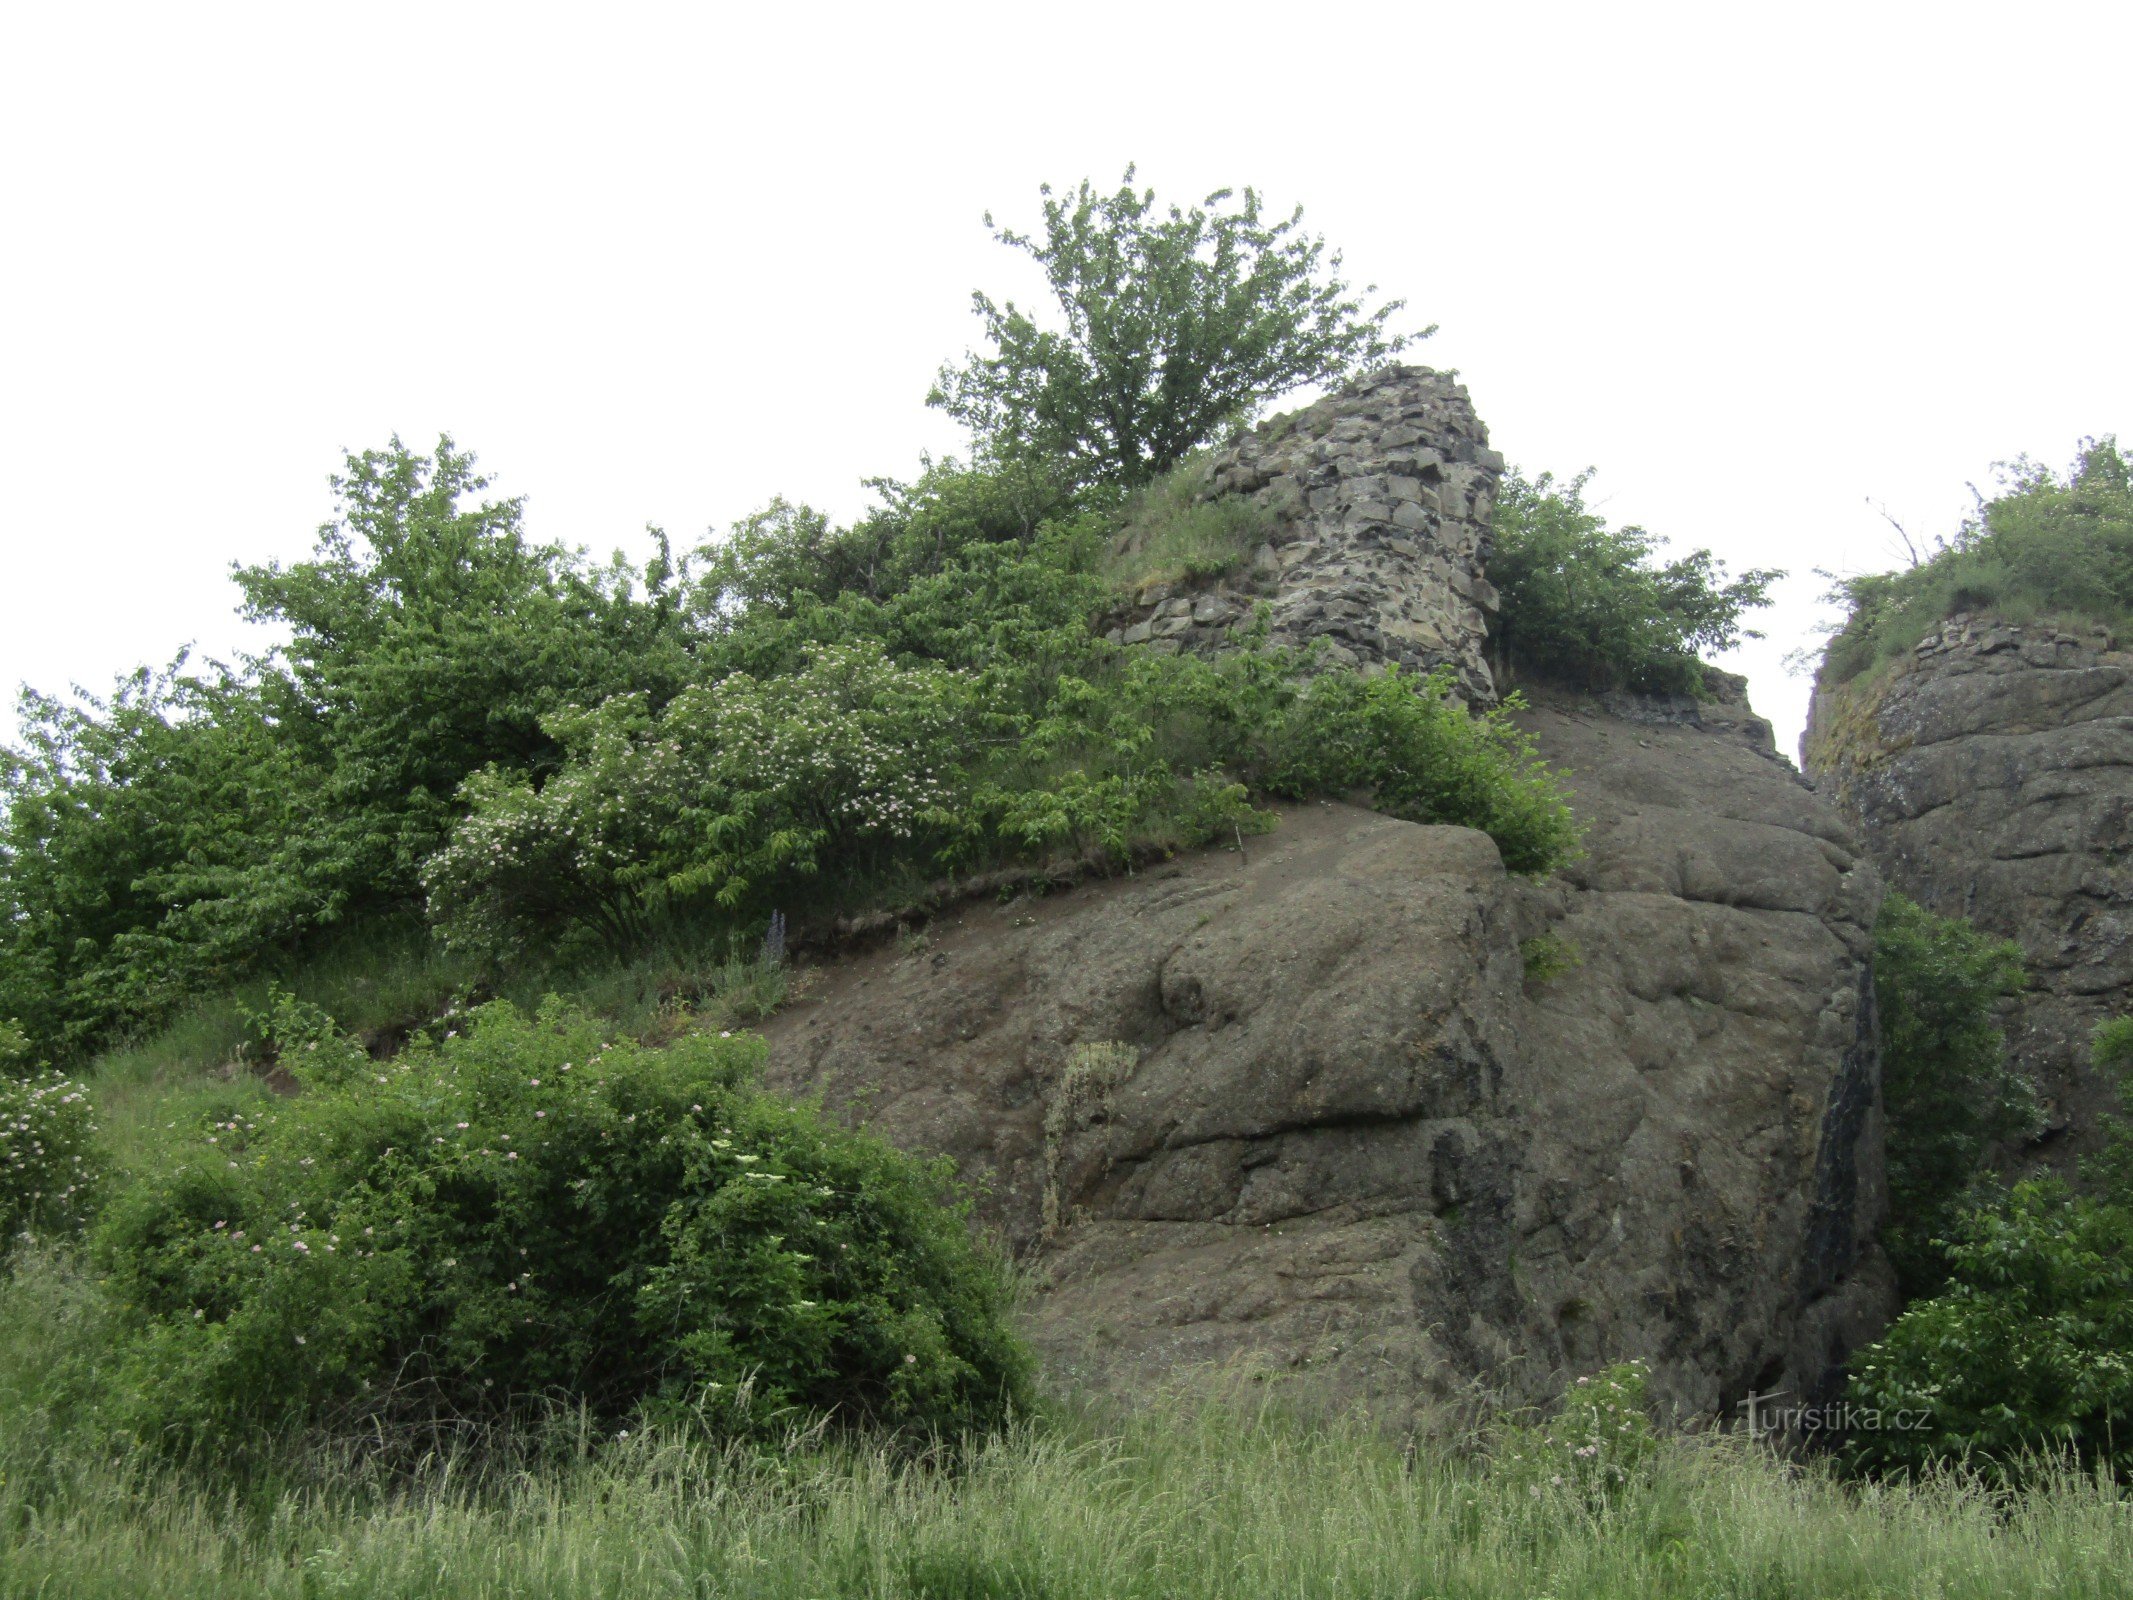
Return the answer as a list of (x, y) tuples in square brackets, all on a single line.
[(1378, 499)]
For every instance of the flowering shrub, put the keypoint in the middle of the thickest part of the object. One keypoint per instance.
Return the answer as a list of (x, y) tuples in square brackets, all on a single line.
[(48, 1165), (528, 1211), (738, 789), (1596, 1444), (751, 793)]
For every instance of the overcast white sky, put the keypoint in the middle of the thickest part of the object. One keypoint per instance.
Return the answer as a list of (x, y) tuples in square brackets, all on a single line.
[(1759, 265)]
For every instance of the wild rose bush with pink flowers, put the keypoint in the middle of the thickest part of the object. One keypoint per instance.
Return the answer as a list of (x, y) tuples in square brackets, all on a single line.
[(527, 1213)]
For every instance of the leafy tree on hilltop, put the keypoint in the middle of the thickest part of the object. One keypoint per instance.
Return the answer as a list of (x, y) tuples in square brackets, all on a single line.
[(1176, 324), (429, 639)]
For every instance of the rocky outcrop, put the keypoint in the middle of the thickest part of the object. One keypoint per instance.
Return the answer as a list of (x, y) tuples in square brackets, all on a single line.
[(1991, 774), (1377, 502), (1301, 1109)]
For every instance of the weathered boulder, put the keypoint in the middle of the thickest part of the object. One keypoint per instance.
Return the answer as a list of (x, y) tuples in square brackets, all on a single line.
[(1302, 1110), (1991, 776)]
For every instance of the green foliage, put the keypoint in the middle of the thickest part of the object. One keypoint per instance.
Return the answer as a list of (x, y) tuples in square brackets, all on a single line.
[(2047, 546), (2024, 1353), (855, 771), (1597, 1446), (198, 824), (1175, 325), (1171, 536), (1589, 604), (1548, 956), (1421, 755), (732, 797), (1950, 1091), (530, 1212), (428, 640), (138, 850), (50, 1167)]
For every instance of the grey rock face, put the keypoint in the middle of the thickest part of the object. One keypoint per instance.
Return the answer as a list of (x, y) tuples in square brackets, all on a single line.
[(1300, 1110), (1991, 776), (1379, 500)]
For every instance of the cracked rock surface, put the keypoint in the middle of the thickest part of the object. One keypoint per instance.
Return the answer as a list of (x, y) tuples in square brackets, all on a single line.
[(1300, 1112), (1991, 776)]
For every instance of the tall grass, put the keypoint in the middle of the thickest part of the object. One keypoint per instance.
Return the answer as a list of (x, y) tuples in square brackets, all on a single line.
[(1176, 1505), (1175, 1501)]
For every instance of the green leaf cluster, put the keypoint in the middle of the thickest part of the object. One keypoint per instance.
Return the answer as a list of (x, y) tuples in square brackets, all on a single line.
[(1588, 604), (526, 1212), (1950, 1090), (1172, 324), (2025, 1354)]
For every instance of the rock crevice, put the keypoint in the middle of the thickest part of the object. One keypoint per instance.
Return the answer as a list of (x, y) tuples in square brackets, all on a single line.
[(1991, 774)]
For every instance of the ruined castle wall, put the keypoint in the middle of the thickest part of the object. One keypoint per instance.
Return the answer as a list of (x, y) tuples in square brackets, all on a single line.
[(1378, 500)]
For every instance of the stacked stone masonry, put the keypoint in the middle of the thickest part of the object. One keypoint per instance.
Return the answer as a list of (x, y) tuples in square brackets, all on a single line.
[(1379, 500)]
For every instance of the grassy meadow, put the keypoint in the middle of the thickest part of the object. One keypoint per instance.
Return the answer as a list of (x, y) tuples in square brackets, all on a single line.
[(1174, 1502)]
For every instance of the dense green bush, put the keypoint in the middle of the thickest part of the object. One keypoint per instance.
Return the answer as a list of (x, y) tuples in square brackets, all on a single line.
[(2049, 545), (49, 1163), (202, 821), (2024, 1352), (1590, 604), (1950, 1090), (527, 1212), (2027, 1349), (751, 794)]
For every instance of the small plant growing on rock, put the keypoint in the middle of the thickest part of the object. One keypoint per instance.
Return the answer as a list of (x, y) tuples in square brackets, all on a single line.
[(1093, 1070), (1547, 956)]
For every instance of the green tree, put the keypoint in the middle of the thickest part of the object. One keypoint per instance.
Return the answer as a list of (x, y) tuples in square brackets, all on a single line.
[(1589, 603), (1950, 1091), (143, 849), (428, 638), (1175, 324), (198, 822)]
